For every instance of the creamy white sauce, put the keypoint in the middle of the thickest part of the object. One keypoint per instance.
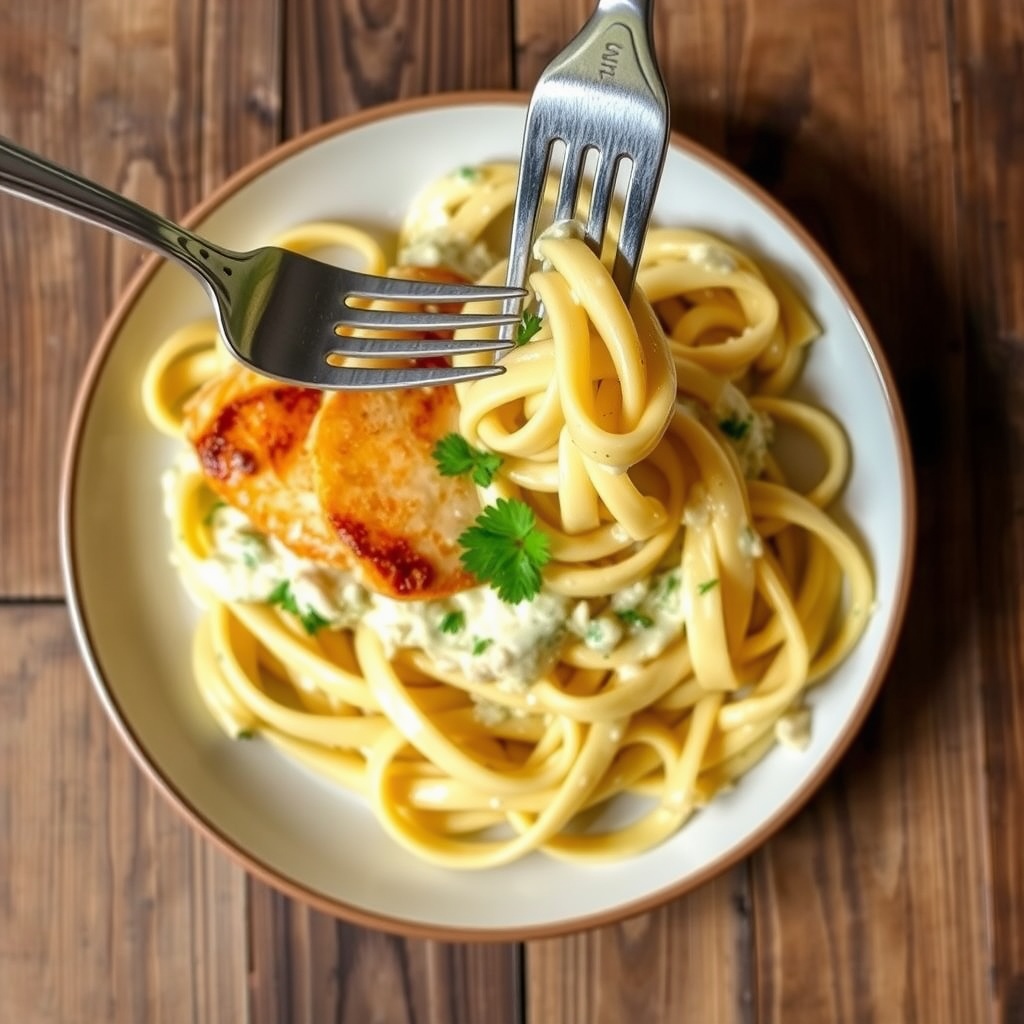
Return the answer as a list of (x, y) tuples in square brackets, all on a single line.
[(439, 249), (793, 729), (494, 641), (246, 565), (752, 447), (473, 632), (650, 610)]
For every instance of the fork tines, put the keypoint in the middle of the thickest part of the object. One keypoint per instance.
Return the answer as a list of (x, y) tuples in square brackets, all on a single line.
[(398, 289), (430, 294), (603, 96)]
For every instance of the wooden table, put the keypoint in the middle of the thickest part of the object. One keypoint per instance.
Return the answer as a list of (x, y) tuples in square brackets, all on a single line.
[(895, 130)]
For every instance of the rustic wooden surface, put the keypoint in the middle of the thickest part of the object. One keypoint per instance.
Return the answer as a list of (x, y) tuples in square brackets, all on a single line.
[(895, 130)]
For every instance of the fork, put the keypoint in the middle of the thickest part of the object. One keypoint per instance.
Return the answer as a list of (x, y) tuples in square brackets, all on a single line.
[(603, 93), (279, 312)]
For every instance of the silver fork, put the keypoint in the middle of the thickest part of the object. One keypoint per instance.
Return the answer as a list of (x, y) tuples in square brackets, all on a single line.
[(279, 312), (604, 93)]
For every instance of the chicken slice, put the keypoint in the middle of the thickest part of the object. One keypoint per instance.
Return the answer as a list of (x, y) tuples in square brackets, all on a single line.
[(345, 479), (381, 490), (252, 437)]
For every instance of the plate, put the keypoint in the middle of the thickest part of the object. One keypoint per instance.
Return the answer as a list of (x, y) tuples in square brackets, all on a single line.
[(134, 622)]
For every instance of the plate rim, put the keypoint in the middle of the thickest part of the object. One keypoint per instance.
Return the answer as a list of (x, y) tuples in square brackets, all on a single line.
[(797, 800)]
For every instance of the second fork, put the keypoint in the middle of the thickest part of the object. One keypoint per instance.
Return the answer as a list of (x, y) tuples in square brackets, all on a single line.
[(602, 95)]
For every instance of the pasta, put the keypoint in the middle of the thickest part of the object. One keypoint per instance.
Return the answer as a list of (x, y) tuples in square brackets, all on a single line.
[(691, 595)]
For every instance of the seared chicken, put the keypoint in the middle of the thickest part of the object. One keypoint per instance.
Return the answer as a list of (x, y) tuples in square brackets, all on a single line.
[(343, 478), (382, 493)]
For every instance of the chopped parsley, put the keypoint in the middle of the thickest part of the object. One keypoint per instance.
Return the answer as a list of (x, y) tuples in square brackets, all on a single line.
[(703, 588), (283, 598), (454, 456), (666, 592), (467, 173), (529, 325), (254, 548), (453, 622), (245, 734), (735, 427), (632, 617), (480, 644), (503, 547)]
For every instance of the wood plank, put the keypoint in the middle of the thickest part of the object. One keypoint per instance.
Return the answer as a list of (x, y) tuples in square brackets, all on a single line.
[(542, 30), (112, 908), (310, 967), (871, 905), (145, 920), (341, 57), (990, 66), (49, 307), (344, 55), (688, 961), (159, 102), (691, 959)]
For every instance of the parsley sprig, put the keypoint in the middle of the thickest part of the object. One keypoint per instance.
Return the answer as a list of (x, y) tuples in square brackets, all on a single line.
[(529, 325), (282, 597), (454, 456), (504, 548)]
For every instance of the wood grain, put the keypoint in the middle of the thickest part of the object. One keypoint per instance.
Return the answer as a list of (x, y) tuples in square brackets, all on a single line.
[(689, 961), (892, 129), (159, 102), (113, 909), (344, 55), (50, 309), (989, 44), (880, 878), (308, 967)]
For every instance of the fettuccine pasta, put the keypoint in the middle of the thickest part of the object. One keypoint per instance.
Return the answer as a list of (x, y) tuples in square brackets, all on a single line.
[(690, 595)]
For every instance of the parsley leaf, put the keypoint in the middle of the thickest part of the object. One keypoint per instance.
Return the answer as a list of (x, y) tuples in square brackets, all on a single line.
[(480, 644), (454, 456), (453, 622), (529, 325), (282, 597), (631, 617), (703, 588), (504, 548), (734, 427)]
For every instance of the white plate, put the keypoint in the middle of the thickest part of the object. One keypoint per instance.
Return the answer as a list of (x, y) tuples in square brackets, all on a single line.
[(134, 622)]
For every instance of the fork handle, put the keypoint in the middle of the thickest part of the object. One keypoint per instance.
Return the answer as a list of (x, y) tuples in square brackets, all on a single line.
[(33, 177)]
